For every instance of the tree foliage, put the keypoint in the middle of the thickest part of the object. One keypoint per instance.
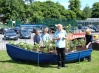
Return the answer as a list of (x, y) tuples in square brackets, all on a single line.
[(13, 9), (95, 10), (17, 9), (86, 12), (75, 6)]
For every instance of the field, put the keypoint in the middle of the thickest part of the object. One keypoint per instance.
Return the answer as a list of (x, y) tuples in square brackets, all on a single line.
[(9, 66)]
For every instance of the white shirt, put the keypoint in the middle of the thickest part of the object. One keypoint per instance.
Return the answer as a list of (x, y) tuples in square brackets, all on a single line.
[(60, 34)]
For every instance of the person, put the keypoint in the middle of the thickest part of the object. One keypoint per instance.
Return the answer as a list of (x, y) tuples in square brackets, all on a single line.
[(45, 36), (59, 36), (50, 34), (89, 39), (37, 38)]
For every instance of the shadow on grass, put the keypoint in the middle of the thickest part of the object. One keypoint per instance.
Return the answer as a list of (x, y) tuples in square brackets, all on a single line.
[(43, 65), (24, 62), (7, 61)]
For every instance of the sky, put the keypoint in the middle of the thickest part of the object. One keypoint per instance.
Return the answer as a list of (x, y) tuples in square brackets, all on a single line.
[(65, 3)]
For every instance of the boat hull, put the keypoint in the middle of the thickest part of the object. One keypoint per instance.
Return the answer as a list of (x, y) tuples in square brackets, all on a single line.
[(19, 54)]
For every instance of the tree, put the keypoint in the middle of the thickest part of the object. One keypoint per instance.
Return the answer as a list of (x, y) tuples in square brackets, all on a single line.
[(1, 1), (95, 10), (86, 12), (48, 10), (13, 9), (75, 6), (68, 14), (17, 9)]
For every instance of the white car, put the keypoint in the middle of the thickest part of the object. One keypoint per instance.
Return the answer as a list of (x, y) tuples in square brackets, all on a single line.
[(85, 27)]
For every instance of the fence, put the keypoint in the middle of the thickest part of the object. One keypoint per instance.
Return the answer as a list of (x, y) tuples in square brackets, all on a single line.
[(51, 22)]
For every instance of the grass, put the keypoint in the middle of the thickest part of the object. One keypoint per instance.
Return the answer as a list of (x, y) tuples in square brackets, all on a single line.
[(9, 66)]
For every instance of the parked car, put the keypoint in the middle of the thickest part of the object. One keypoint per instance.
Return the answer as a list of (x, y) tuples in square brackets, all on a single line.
[(29, 28), (36, 28), (2, 30), (97, 26), (92, 30), (24, 34), (53, 29), (16, 29), (94, 27), (10, 35), (85, 27)]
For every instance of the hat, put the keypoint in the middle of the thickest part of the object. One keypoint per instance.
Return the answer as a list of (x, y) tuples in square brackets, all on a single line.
[(57, 25)]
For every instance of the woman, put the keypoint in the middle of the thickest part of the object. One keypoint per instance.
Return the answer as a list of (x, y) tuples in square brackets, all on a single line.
[(37, 38), (89, 39), (45, 36)]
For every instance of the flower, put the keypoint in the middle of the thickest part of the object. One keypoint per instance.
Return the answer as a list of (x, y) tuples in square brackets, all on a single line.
[(67, 26)]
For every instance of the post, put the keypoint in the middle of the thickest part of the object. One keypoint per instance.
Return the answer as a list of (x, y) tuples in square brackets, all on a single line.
[(79, 57), (38, 59)]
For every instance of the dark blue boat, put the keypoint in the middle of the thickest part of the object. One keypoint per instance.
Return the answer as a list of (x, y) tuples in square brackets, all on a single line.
[(19, 54)]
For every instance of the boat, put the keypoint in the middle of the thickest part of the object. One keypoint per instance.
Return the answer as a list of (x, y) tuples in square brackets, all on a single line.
[(19, 54)]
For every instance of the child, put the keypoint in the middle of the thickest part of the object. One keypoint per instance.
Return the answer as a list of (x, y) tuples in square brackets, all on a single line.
[(37, 38), (88, 38)]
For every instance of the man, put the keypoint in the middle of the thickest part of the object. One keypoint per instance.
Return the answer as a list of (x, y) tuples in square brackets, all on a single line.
[(60, 36)]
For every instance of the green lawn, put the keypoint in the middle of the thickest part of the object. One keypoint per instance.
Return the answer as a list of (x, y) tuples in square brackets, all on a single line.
[(9, 66)]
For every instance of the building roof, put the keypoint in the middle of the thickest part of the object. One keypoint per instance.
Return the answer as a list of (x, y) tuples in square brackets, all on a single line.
[(89, 20), (93, 19)]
